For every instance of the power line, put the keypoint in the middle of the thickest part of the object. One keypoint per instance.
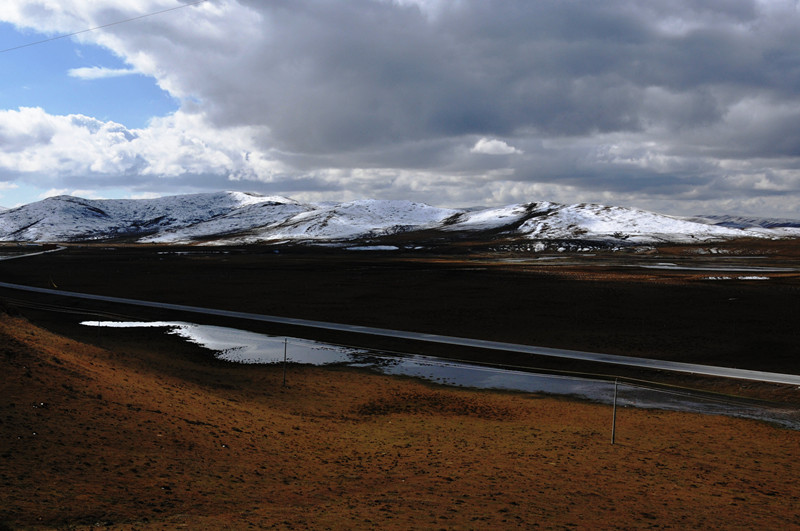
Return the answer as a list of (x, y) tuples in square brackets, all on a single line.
[(103, 26)]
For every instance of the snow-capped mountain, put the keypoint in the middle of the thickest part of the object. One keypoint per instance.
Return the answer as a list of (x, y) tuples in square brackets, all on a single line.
[(738, 222), (240, 218), (66, 218), (338, 222)]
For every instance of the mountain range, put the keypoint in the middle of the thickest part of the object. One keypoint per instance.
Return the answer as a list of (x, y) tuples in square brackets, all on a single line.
[(244, 218)]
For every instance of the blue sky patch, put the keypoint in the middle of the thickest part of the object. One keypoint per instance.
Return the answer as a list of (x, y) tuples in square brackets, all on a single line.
[(38, 76)]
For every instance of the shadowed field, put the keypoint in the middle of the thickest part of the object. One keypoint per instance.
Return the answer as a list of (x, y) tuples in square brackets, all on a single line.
[(605, 303)]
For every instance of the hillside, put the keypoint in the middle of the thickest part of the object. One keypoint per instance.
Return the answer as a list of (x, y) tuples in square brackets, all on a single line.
[(240, 218), (150, 433)]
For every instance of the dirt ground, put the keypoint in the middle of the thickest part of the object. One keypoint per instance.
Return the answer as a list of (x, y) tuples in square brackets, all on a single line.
[(148, 432)]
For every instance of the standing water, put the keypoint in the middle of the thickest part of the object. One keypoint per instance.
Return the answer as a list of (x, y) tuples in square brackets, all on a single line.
[(240, 346)]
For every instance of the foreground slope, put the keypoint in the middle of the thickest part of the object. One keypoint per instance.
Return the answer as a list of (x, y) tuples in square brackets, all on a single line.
[(148, 432), (238, 218)]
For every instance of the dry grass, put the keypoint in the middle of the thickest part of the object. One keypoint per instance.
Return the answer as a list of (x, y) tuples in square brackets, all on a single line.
[(160, 437)]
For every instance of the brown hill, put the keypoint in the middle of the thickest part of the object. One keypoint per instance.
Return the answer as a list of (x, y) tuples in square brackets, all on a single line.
[(153, 433)]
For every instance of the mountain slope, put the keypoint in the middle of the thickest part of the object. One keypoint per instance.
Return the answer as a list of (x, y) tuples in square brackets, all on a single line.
[(66, 218), (353, 220), (609, 222), (239, 218)]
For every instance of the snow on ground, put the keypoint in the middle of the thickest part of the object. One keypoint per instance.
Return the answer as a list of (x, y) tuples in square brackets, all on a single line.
[(745, 223), (584, 221), (491, 218), (236, 218), (65, 218), (353, 220), (249, 215)]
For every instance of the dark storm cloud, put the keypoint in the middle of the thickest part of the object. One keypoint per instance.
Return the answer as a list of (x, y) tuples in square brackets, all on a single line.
[(336, 77)]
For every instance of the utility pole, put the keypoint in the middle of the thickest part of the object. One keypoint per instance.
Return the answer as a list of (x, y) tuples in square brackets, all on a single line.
[(614, 414), (285, 341)]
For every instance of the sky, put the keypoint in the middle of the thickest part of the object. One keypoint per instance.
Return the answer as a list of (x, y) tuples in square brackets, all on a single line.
[(676, 106)]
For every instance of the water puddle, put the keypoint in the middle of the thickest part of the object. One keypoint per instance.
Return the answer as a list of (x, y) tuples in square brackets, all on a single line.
[(752, 277), (723, 268), (241, 346)]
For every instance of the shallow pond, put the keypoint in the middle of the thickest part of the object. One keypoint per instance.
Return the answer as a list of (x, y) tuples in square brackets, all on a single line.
[(241, 346)]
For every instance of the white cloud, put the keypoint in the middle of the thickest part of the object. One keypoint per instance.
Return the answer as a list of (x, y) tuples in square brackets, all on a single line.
[(486, 146), (170, 147), (88, 194), (99, 72)]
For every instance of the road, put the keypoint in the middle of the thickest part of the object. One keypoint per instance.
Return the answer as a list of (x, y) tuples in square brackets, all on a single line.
[(26, 255), (673, 366)]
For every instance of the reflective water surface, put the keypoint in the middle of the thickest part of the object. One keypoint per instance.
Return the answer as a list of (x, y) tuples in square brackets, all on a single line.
[(241, 346)]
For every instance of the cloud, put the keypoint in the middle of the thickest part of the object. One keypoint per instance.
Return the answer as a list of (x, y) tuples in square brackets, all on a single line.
[(493, 147), (99, 72), (677, 104), (76, 148)]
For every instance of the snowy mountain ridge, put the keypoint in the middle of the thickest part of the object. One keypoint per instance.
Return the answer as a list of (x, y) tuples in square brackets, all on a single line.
[(243, 218), (740, 222)]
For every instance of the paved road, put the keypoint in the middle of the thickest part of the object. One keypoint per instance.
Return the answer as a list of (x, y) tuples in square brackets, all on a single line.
[(673, 366), (15, 256)]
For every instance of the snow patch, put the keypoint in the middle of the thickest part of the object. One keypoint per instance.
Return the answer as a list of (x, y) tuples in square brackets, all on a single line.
[(373, 248)]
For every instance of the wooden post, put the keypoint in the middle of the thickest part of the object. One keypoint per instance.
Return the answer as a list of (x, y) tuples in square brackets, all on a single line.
[(614, 414), (285, 341)]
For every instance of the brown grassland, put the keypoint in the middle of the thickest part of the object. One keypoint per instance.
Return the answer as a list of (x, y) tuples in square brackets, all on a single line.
[(138, 430), (158, 436)]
